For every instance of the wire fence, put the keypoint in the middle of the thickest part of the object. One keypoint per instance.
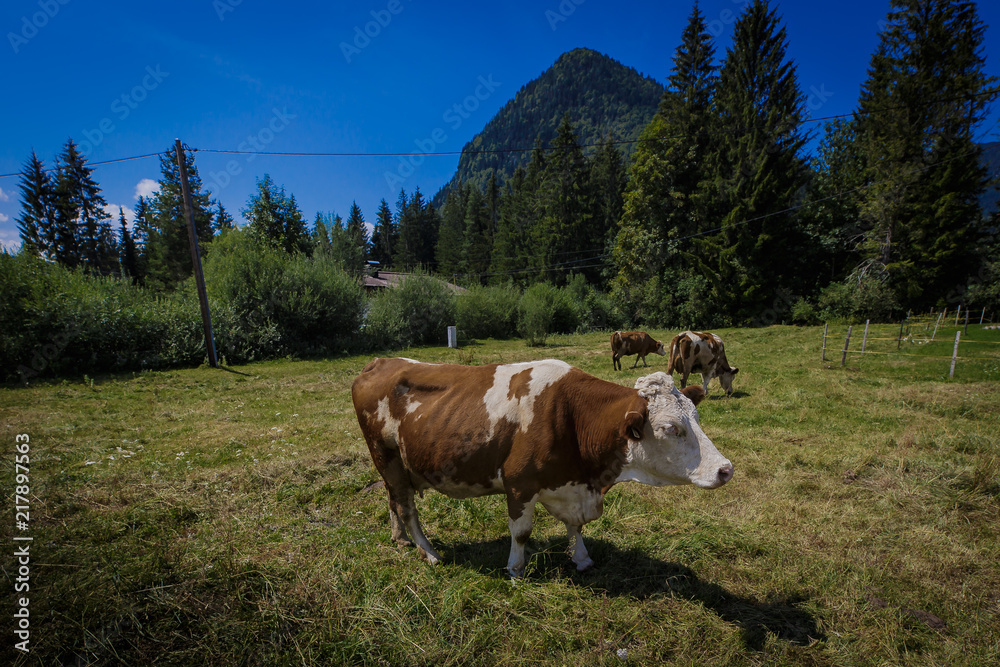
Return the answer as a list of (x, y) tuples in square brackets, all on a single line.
[(932, 339)]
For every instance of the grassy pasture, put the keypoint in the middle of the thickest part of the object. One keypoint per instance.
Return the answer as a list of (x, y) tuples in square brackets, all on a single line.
[(221, 517)]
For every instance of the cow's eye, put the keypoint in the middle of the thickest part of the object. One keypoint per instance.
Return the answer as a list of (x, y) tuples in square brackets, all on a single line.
[(672, 429)]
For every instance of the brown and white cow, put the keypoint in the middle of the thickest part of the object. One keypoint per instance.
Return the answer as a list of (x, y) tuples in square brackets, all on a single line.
[(699, 352), (639, 343), (537, 432)]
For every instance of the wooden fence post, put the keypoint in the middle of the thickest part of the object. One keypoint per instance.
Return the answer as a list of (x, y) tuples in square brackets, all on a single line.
[(864, 341), (966, 332), (936, 324), (983, 315), (958, 313), (825, 328), (954, 354), (899, 338), (847, 341)]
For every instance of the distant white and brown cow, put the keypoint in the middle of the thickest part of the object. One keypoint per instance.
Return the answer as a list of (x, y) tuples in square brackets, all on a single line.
[(639, 343), (699, 352), (536, 432)]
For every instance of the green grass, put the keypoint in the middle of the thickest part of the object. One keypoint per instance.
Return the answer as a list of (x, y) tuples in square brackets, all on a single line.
[(209, 517)]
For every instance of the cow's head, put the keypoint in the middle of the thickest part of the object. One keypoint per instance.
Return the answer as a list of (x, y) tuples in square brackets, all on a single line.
[(666, 445), (726, 379), (659, 349)]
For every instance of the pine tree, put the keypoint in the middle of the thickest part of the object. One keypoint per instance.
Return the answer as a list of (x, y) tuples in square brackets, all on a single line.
[(517, 217), (608, 179), (477, 242), (832, 219), (451, 235), (128, 255), (667, 196), (273, 218), (322, 246), (82, 230), (357, 231), (141, 232), (384, 236), (37, 221), (562, 237), (925, 95), (418, 227), (168, 248), (758, 171), (223, 221)]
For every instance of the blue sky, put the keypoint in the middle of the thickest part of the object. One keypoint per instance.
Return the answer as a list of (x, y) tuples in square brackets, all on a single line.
[(375, 76)]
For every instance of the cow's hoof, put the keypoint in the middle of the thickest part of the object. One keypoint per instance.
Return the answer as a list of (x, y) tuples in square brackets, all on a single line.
[(585, 566), (403, 542), (431, 558)]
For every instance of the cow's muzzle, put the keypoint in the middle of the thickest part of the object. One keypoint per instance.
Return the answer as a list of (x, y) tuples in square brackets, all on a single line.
[(725, 474)]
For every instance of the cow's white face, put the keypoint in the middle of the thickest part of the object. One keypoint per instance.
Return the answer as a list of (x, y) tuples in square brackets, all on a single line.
[(672, 448), (660, 350), (726, 379)]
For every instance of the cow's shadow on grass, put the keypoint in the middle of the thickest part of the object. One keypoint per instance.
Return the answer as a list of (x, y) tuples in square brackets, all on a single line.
[(634, 574)]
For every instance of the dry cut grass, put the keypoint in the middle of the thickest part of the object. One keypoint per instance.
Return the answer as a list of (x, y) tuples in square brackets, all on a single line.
[(228, 517)]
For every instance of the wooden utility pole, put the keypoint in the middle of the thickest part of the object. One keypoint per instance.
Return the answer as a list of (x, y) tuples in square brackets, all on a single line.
[(206, 317)]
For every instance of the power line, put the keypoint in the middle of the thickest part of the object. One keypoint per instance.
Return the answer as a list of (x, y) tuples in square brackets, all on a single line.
[(501, 151)]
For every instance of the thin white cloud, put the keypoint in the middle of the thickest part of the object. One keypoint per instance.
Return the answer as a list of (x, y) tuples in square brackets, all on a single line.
[(4, 218), (10, 240), (4, 196), (146, 188), (112, 210)]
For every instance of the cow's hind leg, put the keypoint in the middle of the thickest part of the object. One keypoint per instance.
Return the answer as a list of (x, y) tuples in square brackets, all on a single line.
[(520, 519), (403, 516), (411, 522)]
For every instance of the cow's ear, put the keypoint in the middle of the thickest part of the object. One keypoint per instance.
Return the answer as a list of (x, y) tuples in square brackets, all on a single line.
[(632, 425), (695, 393), (735, 371)]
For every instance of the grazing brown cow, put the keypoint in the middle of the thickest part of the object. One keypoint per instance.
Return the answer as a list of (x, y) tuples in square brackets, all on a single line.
[(699, 352), (639, 343), (537, 432)]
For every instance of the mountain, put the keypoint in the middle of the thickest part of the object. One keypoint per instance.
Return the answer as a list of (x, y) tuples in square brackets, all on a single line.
[(602, 96)]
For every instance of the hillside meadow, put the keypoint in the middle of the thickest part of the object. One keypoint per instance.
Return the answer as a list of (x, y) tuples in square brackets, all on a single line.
[(230, 517)]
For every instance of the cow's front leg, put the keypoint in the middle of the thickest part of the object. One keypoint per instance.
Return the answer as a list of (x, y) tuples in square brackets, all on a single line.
[(520, 519), (705, 379), (577, 549)]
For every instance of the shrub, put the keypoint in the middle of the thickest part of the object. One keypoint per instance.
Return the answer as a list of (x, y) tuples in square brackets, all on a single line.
[(271, 303), (488, 312), (417, 312), (537, 312), (858, 298), (57, 320)]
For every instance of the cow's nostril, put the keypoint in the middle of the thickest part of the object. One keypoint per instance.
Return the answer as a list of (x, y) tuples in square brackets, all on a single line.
[(725, 473)]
